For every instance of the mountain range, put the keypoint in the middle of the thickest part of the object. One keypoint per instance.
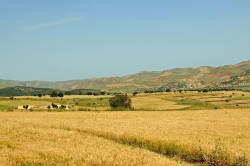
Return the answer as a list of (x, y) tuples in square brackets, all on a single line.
[(229, 76)]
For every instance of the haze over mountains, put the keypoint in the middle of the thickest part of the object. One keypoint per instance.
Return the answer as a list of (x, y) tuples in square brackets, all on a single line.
[(233, 76)]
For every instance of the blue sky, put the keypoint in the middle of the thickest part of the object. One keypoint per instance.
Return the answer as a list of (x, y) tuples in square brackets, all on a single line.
[(63, 40)]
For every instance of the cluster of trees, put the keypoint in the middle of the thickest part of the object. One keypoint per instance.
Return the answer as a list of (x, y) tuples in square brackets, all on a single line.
[(24, 91), (215, 89), (204, 90), (86, 92), (12, 98), (39, 94), (30, 91), (157, 90), (135, 93), (76, 92), (55, 94), (120, 102), (61, 94)]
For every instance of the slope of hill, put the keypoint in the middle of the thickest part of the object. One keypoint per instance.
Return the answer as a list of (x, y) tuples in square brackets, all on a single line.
[(24, 91), (30, 91), (185, 78)]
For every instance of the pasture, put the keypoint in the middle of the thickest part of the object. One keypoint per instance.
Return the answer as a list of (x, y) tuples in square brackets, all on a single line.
[(187, 128)]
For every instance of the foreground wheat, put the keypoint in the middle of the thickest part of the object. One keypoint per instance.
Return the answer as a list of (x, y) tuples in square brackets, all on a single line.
[(190, 129), (22, 143)]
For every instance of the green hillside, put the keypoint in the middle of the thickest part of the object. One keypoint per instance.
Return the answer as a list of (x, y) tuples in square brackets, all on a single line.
[(30, 91), (25, 91), (179, 78)]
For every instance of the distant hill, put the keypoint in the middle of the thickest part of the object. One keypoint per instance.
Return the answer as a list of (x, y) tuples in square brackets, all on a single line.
[(25, 91), (180, 78), (30, 91)]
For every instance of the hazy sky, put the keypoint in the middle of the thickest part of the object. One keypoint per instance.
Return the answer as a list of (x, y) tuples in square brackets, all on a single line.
[(73, 39)]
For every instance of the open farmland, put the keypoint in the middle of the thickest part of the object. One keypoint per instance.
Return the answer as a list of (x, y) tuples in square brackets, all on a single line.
[(141, 102), (165, 129), (124, 83)]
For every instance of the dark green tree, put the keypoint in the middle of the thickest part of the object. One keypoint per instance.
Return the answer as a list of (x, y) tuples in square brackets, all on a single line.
[(205, 90), (53, 94), (120, 101), (135, 93), (60, 94), (168, 90)]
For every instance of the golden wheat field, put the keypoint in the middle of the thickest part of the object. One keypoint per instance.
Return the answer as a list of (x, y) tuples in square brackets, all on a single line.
[(165, 129), (75, 138), (41, 139)]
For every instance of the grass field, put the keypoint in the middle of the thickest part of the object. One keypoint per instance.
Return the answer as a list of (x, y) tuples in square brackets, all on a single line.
[(166, 129)]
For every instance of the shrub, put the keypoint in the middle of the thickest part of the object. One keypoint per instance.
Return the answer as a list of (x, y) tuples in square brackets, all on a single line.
[(180, 91), (205, 90), (168, 90), (53, 94), (60, 94), (120, 101), (39, 95), (95, 94), (135, 93)]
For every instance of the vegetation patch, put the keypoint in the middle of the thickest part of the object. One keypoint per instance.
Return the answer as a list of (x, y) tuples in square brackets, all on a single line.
[(196, 104), (120, 102)]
